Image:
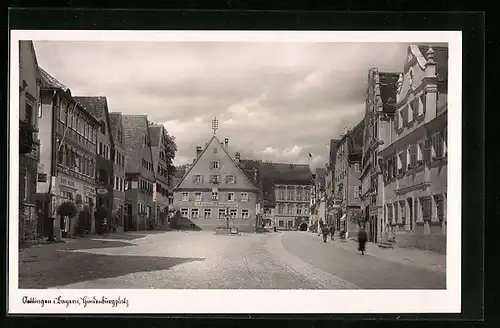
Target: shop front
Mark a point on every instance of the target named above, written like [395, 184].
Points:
[80, 193]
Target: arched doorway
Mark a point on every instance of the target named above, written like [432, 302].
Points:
[303, 227]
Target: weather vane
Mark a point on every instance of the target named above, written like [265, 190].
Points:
[215, 124]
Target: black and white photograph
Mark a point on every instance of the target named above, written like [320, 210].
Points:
[195, 168]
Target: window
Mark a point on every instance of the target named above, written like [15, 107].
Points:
[401, 162]
[290, 208]
[222, 213]
[215, 195]
[299, 210]
[233, 213]
[207, 214]
[215, 165]
[184, 212]
[423, 104]
[308, 194]
[395, 212]
[290, 195]
[117, 183]
[244, 197]
[413, 155]
[281, 224]
[281, 194]
[389, 213]
[426, 207]
[194, 213]
[402, 211]
[215, 179]
[230, 196]
[185, 196]
[438, 145]
[230, 179]
[245, 214]
[356, 168]
[197, 196]
[357, 191]
[197, 178]
[439, 199]
[120, 136]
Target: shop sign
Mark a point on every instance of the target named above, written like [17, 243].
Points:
[102, 191]
[67, 182]
[205, 204]
[231, 204]
[88, 191]
[53, 204]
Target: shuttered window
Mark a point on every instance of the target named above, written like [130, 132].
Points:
[426, 208]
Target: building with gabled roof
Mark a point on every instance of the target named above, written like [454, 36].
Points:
[68, 142]
[413, 156]
[118, 155]
[106, 180]
[164, 196]
[214, 191]
[140, 179]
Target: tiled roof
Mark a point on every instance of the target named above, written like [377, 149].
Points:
[50, 82]
[134, 129]
[96, 105]
[355, 142]
[441, 59]
[116, 123]
[155, 132]
[388, 90]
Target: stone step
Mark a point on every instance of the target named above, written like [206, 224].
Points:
[385, 245]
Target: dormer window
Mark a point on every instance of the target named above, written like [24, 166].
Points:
[103, 127]
[120, 136]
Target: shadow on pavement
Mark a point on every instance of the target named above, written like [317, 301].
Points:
[50, 265]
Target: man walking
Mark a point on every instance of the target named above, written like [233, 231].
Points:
[362, 237]
[325, 230]
[332, 231]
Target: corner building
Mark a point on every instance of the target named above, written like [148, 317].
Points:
[415, 159]
[215, 187]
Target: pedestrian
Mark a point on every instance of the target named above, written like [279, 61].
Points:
[362, 237]
[332, 231]
[325, 231]
[105, 226]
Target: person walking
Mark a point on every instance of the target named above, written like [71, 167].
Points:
[332, 231]
[362, 238]
[325, 231]
[105, 226]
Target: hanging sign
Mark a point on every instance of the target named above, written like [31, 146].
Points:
[102, 191]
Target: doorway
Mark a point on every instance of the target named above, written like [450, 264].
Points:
[303, 227]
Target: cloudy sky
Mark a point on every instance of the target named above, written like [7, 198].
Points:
[274, 101]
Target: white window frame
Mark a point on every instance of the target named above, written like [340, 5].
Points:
[245, 214]
[233, 211]
[197, 179]
[230, 196]
[356, 168]
[231, 179]
[215, 195]
[222, 213]
[185, 196]
[215, 165]
[244, 197]
[209, 211]
[185, 212]
[197, 211]
[198, 196]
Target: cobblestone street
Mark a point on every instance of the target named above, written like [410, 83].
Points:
[283, 260]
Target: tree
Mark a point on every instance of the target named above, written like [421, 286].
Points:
[67, 209]
[170, 147]
[356, 216]
[27, 141]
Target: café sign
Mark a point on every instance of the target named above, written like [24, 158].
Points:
[67, 182]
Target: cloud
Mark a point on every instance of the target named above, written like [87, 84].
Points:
[274, 101]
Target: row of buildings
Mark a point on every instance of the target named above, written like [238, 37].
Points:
[389, 173]
[219, 187]
[74, 149]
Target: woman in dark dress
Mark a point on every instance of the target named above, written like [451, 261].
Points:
[362, 237]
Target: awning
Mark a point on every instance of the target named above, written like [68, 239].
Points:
[343, 217]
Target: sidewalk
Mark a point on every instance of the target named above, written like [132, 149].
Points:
[408, 256]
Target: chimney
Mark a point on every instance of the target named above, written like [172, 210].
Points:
[237, 158]
[226, 143]
[198, 151]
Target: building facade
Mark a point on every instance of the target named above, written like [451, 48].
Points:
[215, 192]
[317, 207]
[68, 139]
[163, 184]
[380, 107]
[332, 204]
[119, 156]
[347, 180]
[29, 155]
[98, 107]
[415, 156]
[139, 175]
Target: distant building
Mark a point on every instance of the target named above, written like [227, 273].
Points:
[140, 177]
[119, 156]
[318, 208]
[98, 107]
[332, 204]
[380, 102]
[68, 143]
[29, 146]
[414, 154]
[214, 188]
[347, 179]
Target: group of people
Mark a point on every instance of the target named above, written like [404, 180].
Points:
[330, 230]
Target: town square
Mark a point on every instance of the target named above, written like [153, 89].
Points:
[205, 165]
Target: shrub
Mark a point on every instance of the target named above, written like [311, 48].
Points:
[67, 209]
